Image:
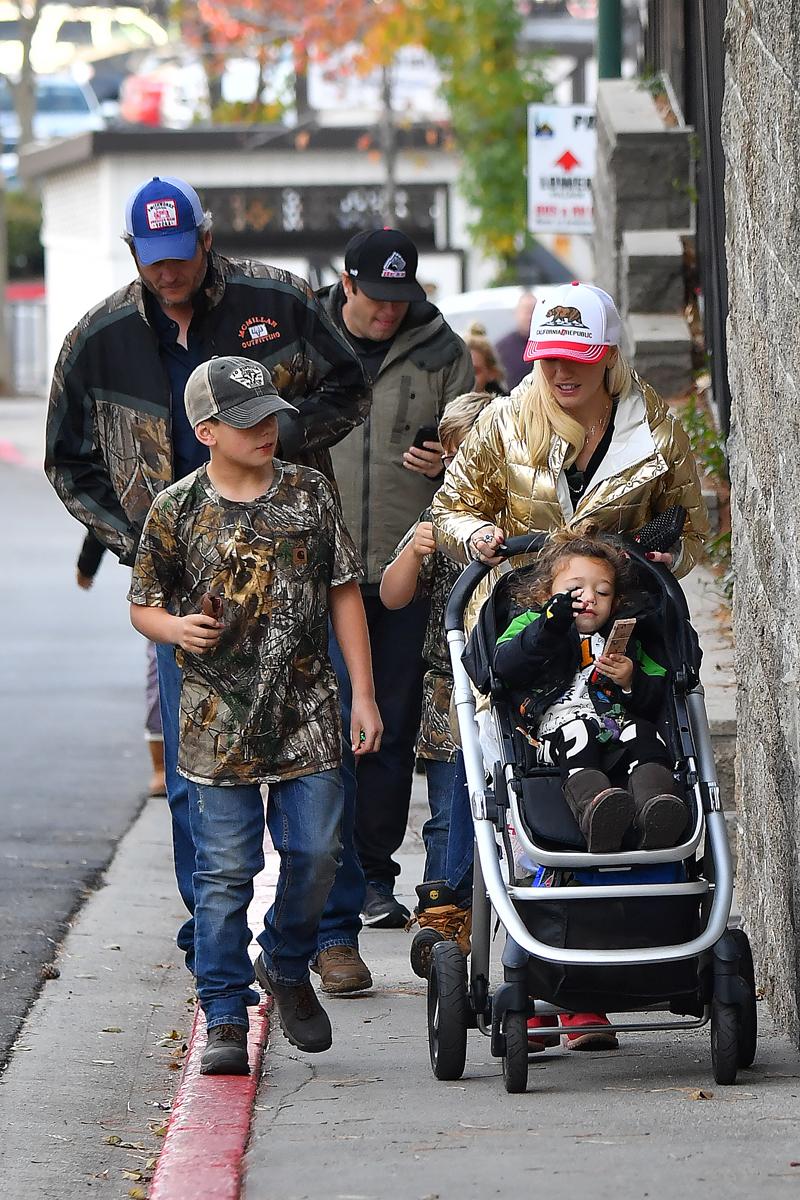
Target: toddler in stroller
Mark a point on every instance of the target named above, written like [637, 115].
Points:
[621, 921]
[586, 709]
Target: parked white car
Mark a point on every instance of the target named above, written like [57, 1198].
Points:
[63, 107]
[492, 307]
[65, 33]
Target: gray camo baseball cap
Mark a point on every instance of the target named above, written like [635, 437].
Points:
[237, 391]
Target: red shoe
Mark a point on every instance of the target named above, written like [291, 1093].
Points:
[604, 1039]
[537, 1044]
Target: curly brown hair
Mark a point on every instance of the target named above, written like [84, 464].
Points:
[534, 584]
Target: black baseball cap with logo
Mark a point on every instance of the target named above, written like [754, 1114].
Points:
[383, 262]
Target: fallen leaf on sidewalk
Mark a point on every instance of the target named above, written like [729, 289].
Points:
[112, 1140]
[701, 1094]
[136, 1175]
[111, 1029]
[352, 1082]
[137, 1193]
[112, 946]
[50, 971]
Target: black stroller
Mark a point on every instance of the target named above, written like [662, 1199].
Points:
[618, 945]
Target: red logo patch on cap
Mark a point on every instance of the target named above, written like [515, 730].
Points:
[161, 214]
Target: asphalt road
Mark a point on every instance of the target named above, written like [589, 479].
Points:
[74, 764]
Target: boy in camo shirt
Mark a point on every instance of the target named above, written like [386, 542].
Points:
[417, 568]
[239, 566]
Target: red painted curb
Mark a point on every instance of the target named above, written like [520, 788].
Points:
[209, 1125]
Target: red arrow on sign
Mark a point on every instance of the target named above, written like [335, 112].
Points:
[567, 161]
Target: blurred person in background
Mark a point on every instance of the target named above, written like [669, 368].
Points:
[489, 374]
[511, 348]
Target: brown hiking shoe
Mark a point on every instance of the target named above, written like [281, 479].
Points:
[342, 970]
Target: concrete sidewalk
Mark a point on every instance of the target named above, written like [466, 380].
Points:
[367, 1120]
[87, 1092]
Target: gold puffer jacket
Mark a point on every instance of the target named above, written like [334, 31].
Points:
[649, 466]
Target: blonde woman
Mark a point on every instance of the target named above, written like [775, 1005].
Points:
[582, 437]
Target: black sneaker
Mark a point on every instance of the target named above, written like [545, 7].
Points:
[304, 1020]
[381, 910]
[226, 1051]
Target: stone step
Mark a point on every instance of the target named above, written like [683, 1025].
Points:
[652, 273]
[660, 347]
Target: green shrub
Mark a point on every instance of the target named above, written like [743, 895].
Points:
[23, 229]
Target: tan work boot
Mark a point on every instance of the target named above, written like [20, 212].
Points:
[342, 970]
[440, 919]
[157, 785]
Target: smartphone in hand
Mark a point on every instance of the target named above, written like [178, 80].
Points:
[617, 640]
[425, 433]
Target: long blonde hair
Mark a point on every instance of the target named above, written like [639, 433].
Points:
[543, 417]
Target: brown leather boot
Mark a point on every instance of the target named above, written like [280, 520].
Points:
[603, 812]
[661, 816]
[342, 970]
[157, 785]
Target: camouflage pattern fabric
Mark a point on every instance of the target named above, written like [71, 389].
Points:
[263, 705]
[436, 578]
[108, 449]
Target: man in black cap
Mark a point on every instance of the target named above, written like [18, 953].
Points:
[387, 472]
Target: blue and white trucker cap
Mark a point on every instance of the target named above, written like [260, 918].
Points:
[163, 216]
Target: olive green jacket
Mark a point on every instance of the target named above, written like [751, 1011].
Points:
[426, 365]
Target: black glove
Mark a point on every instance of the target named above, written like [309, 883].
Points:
[663, 531]
[558, 612]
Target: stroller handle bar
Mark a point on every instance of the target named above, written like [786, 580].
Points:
[531, 543]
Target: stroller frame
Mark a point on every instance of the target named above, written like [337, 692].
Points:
[455, 1004]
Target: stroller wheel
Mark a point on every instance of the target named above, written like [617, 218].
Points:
[748, 1017]
[725, 1034]
[515, 1059]
[448, 1011]
[421, 949]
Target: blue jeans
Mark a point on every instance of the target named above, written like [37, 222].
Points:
[440, 777]
[304, 820]
[179, 791]
[341, 923]
[460, 835]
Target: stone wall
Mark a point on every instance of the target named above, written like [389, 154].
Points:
[761, 119]
[642, 211]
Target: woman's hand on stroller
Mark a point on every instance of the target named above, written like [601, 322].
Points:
[485, 543]
[618, 668]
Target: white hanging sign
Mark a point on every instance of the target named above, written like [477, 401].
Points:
[561, 150]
